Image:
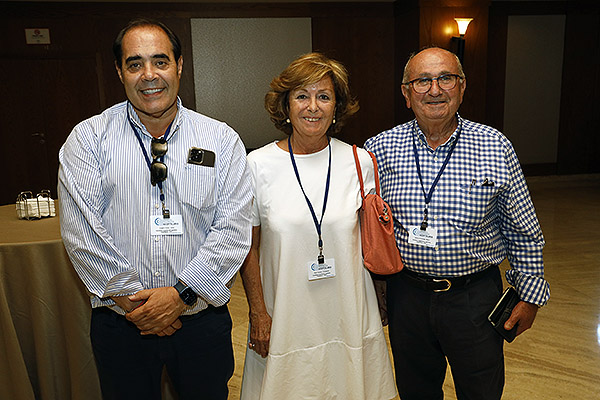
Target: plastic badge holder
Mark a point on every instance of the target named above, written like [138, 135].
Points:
[29, 207]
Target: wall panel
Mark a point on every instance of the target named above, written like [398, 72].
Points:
[235, 59]
[365, 46]
[579, 135]
[534, 62]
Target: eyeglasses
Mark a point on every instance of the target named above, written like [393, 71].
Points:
[445, 82]
[158, 169]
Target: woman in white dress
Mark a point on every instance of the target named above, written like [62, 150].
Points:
[315, 327]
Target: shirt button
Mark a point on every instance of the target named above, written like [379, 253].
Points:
[437, 248]
[156, 205]
[435, 158]
[157, 273]
[156, 238]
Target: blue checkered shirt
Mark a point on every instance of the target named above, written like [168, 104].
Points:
[478, 224]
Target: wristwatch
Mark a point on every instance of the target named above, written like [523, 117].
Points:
[186, 293]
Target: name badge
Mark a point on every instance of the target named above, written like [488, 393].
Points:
[427, 238]
[166, 226]
[318, 271]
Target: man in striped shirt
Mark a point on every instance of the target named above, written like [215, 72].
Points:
[154, 206]
[461, 206]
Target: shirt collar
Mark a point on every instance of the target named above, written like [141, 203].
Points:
[423, 140]
[136, 119]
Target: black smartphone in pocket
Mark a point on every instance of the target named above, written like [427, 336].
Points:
[502, 311]
[201, 157]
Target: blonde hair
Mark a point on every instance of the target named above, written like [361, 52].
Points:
[307, 70]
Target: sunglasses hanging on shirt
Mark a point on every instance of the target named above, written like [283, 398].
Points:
[158, 169]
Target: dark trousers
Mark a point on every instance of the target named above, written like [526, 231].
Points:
[428, 328]
[198, 357]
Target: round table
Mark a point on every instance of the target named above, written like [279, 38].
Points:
[44, 315]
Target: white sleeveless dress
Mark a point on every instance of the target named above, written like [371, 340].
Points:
[327, 341]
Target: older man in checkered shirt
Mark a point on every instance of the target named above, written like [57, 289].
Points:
[461, 206]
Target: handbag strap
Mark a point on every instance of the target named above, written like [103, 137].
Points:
[360, 176]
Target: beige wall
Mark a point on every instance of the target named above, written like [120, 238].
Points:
[235, 59]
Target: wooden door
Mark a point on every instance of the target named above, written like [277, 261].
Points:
[45, 99]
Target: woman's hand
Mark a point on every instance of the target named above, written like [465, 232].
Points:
[260, 333]
[260, 320]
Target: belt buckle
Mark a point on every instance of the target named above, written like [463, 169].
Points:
[443, 280]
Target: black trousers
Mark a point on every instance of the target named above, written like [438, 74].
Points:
[428, 328]
[198, 357]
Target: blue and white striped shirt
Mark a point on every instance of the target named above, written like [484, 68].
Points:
[477, 224]
[106, 201]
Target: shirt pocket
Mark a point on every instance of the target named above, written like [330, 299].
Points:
[199, 186]
[474, 207]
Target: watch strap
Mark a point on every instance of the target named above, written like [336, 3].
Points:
[180, 286]
[186, 293]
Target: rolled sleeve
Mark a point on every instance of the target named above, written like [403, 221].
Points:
[521, 229]
[103, 269]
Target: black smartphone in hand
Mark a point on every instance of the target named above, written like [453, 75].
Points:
[502, 311]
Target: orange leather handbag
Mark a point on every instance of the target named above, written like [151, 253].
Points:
[380, 251]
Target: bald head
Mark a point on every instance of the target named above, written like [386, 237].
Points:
[448, 56]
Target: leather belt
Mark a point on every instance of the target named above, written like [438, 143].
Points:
[443, 284]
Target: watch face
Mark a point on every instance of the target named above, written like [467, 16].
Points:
[188, 296]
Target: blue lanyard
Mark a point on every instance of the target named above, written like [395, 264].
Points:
[439, 175]
[137, 135]
[147, 158]
[318, 223]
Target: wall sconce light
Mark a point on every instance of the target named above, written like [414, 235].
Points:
[462, 23]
